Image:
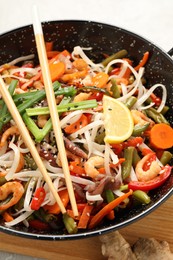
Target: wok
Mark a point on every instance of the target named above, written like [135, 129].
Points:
[107, 39]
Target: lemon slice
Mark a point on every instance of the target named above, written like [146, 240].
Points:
[118, 121]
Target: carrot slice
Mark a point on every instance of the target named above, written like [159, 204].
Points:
[100, 79]
[49, 46]
[81, 122]
[85, 217]
[56, 70]
[55, 209]
[161, 136]
[7, 217]
[143, 61]
[106, 209]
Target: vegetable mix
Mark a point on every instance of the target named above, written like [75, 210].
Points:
[107, 176]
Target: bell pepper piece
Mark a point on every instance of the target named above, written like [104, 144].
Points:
[152, 184]
[38, 198]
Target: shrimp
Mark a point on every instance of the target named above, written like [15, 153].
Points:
[80, 64]
[151, 173]
[11, 187]
[10, 131]
[82, 97]
[139, 118]
[91, 164]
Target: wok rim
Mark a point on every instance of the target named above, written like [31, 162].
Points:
[115, 226]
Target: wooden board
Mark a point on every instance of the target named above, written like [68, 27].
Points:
[158, 224]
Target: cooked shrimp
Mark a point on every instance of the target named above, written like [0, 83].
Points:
[42, 120]
[139, 118]
[10, 131]
[82, 97]
[151, 173]
[80, 64]
[91, 164]
[74, 76]
[11, 187]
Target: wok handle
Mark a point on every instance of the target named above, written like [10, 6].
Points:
[170, 52]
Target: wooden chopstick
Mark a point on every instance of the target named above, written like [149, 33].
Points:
[52, 105]
[28, 141]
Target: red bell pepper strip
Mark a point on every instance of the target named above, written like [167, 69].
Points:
[38, 225]
[38, 198]
[152, 184]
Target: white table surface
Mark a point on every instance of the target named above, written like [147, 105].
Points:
[152, 19]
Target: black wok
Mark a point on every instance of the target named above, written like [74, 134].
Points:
[107, 39]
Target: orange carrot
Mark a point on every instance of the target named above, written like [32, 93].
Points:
[85, 217]
[161, 136]
[143, 61]
[52, 54]
[113, 165]
[71, 214]
[81, 122]
[49, 46]
[100, 79]
[111, 215]
[31, 81]
[106, 209]
[55, 209]
[75, 168]
[56, 70]
[128, 71]
[7, 217]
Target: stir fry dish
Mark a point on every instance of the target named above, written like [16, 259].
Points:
[117, 139]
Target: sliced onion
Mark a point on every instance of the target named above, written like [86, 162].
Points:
[91, 197]
[29, 193]
[19, 219]
[15, 163]
[87, 127]
[133, 176]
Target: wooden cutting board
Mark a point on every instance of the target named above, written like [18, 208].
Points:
[158, 224]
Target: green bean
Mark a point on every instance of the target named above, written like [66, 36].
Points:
[166, 157]
[30, 163]
[118, 55]
[157, 117]
[95, 89]
[138, 130]
[70, 224]
[141, 196]
[130, 102]
[136, 157]
[164, 110]
[109, 195]
[127, 164]
[115, 89]
[123, 187]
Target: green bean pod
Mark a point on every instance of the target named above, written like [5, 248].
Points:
[157, 117]
[109, 195]
[166, 157]
[138, 130]
[118, 55]
[115, 89]
[127, 164]
[141, 196]
[130, 102]
[136, 158]
[70, 224]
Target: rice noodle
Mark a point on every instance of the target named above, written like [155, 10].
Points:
[149, 92]
[78, 51]
[19, 219]
[22, 58]
[29, 192]
[15, 163]
[91, 197]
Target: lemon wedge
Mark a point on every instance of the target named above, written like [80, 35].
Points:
[118, 121]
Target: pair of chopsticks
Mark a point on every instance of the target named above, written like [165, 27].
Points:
[54, 117]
